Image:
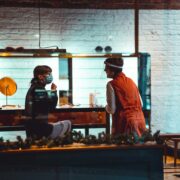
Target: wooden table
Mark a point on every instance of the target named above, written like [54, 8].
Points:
[80, 116]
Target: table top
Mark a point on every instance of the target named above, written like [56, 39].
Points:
[170, 135]
[65, 108]
[176, 139]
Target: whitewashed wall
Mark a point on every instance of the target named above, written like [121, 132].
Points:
[80, 31]
[75, 30]
[160, 36]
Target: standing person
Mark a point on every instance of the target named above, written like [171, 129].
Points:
[39, 103]
[123, 100]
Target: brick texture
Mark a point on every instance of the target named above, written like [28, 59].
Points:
[159, 35]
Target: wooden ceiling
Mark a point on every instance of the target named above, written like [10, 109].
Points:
[93, 4]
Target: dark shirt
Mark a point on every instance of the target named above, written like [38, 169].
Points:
[39, 102]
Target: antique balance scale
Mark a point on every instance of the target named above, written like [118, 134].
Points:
[8, 87]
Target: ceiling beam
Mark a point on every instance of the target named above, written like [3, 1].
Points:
[95, 4]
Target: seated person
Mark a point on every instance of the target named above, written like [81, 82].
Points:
[39, 102]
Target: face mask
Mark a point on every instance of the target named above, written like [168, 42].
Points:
[49, 79]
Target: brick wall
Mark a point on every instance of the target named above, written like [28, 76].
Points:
[159, 35]
[75, 30]
[80, 31]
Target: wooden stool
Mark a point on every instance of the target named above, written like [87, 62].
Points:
[175, 139]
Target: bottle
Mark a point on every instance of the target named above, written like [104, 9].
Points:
[92, 100]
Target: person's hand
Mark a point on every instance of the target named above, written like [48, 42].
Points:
[53, 87]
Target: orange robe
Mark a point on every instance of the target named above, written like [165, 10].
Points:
[128, 117]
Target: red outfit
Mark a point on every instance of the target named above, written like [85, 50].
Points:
[128, 117]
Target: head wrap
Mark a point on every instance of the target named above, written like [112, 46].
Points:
[112, 65]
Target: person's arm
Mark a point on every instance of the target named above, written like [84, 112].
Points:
[53, 97]
[110, 98]
[28, 103]
[52, 101]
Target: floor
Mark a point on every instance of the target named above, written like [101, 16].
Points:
[171, 172]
